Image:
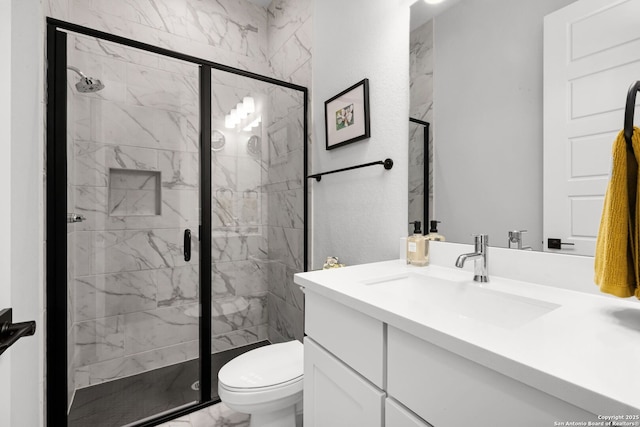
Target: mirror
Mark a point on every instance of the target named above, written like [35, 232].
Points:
[477, 77]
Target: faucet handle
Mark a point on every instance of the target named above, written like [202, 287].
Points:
[481, 241]
[515, 236]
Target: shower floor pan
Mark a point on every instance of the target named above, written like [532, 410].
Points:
[127, 400]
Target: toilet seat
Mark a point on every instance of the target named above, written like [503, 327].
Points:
[261, 396]
[264, 368]
[286, 384]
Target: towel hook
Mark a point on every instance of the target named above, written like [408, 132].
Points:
[629, 112]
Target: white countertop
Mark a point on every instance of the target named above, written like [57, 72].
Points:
[585, 352]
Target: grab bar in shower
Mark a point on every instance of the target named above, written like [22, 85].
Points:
[387, 163]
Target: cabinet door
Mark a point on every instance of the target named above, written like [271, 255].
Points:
[397, 416]
[450, 391]
[335, 395]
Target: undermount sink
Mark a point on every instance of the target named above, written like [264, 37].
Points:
[463, 299]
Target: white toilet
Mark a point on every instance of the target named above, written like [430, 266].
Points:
[265, 382]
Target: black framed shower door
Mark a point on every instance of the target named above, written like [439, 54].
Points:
[57, 209]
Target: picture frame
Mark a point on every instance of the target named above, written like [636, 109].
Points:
[346, 116]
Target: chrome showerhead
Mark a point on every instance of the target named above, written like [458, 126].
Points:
[89, 84]
[86, 84]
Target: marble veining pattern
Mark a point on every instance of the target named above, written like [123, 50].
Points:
[218, 415]
[236, 313]
[131, 287]
[161, 327]
[238, 338]
[178, 286]
[240, 278]
[99, 340]
[112, 294]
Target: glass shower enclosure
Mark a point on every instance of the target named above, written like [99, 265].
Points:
[176, 197]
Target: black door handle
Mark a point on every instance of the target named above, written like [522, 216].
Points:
[11, 332]
[557, 243]
[187, 245]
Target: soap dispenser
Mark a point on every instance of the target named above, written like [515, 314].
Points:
[433, 232]
[417, 246]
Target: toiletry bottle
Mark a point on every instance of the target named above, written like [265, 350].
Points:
[417, 246]
[433, 232]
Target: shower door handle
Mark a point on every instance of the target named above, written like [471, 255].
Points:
[187, 245]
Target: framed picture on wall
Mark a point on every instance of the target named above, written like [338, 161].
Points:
[346, 116]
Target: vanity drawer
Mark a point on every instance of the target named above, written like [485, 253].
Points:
[450, 391]
[397, 416]
[351, 336]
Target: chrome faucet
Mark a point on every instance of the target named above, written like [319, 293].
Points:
[481, 267]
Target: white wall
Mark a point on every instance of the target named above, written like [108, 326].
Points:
[27, 216]
[5, 193]
[359, 215]
[21, 159]
[488, 118]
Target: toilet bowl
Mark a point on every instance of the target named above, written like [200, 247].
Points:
[266, 383]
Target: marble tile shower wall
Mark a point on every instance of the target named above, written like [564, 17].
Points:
[135, 178]
[156, 323]
[239, 241]
[289, 47]
[421, 107]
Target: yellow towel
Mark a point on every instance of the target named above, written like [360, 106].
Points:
[617, 266]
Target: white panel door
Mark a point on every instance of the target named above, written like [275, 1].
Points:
[335, 395]
[591, 57]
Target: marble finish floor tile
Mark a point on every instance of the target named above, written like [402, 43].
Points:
[218, 415]
[120, 402]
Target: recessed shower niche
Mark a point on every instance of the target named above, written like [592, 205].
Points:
[134, 192]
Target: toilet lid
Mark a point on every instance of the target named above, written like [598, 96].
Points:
[264, 366]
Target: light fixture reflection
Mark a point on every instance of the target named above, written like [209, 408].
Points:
[228, 122]
[249, 105]
[242, 111]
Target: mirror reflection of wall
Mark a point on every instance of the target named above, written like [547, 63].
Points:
[487, 118]
[421, 111]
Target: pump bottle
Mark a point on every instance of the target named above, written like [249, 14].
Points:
[433, 232]
[417, 246]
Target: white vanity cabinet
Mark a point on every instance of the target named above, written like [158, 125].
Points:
[436, 349]
[360, 371]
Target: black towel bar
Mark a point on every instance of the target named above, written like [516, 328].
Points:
[387, 163]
